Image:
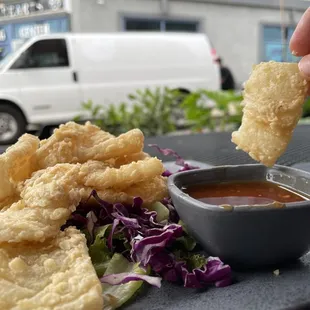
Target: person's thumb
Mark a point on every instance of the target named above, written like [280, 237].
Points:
[304, 66]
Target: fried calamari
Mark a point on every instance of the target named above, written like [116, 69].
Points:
[46, 202]
[42, 267]
[273, 100]
[123, 177]
[55, 275]
[17, 165]
[74, 143]
[150, 191]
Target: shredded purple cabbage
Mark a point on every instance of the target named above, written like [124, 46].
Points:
[179, 160]
[154, 242]
[151, 242]
[123, 278]
[135, 232]
[214, 271]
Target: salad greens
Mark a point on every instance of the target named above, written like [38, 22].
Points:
[99, 252]
[132, 244]
[120, 270]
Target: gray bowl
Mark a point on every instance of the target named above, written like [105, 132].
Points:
[246, 236]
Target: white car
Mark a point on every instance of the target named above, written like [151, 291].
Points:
[46, 80]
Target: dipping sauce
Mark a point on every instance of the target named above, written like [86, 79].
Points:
[243, 193]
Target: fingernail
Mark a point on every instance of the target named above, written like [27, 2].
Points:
[294, 53]
[304, 67]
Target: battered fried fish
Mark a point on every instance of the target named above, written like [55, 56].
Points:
[273, 100]
[74, 143]
[47, 200]
[17, 164]
[56, 275]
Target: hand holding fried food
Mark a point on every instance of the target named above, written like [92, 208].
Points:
[273, 100]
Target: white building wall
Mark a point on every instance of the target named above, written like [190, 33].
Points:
[235, 31]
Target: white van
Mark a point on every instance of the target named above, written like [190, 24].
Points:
[46, 80]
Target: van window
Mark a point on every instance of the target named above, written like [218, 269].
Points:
[44, 54]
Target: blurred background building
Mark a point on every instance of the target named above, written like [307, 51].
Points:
[243, 32]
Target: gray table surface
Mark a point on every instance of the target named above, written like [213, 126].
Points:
[260, 290]
[217, 149]
[251, 290]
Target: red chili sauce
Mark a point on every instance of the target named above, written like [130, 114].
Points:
[243, 193]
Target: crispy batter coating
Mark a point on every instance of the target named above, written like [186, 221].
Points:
[74, 143]
[42, 183]
[150, 191]
[127, 159]
[17, 164]
[123, 177]
[7, 202]
[56, 275]
[47, 200]
[273, 100]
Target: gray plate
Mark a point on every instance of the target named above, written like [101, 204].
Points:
[171, 166]
[260, 290]
[251, 290]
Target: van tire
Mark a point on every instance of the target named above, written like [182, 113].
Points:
[13, 119]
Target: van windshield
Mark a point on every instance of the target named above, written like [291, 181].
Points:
[6, 59]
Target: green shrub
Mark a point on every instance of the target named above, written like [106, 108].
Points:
[151, 111]
[306, 108]
[158, 112]
[201, 114]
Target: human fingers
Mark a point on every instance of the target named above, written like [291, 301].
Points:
[300, 43]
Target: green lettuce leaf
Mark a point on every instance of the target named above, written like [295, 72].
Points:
[162, 211]
[185, 242]
[116, 295]
[99, 252]
[196, 261]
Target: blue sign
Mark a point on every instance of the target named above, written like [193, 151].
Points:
[20, 32]
[28, 30]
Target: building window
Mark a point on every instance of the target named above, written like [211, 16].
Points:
[273, 47]
[132, 24]
[181, 26]
[143, 24]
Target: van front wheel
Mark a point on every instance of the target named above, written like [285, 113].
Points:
[12, 124]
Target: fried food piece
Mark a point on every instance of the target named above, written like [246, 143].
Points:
[74, 143]
[150, 191]
[7, 202]
[125, 176]
[273, 100]
[56, 275]
[17, 164]
[127, 159]
[47, 200]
